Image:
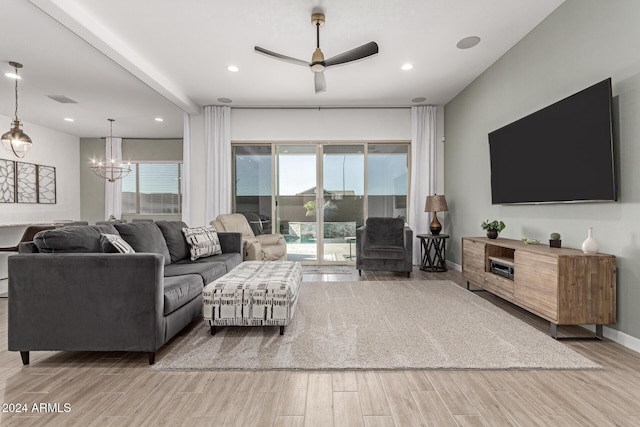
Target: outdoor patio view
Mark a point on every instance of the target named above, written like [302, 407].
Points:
[349, 181]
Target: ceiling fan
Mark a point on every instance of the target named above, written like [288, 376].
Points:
[318, 63]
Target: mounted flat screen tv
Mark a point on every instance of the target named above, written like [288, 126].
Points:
[562, 153]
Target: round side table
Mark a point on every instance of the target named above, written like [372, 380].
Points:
[433, 248]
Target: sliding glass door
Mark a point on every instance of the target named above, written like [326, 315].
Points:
[343, 200]
[295, 198]
[317, 194]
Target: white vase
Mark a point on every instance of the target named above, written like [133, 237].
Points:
[590, 245]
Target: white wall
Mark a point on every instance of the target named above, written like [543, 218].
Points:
[341, 124]
[581, 43]
[50, 148]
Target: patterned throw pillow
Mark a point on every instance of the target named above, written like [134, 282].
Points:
[203, 241]
[112, 243]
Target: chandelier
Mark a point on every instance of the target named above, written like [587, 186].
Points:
[109, 170]
[16, 140]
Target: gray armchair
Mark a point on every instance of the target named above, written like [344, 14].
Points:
[384, 244]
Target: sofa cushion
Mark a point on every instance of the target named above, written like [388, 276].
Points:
[176, 243]
[179, 290]
[383, 252]
[207, 271]
[385, 232]
[80, 238]
[203, 241]
[230, 260]
[113, 243]
[145, 237]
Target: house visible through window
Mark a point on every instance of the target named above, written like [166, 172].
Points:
[153, 188]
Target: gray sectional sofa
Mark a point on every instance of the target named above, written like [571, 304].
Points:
[66, 294]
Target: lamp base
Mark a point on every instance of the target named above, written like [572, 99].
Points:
[435, 227]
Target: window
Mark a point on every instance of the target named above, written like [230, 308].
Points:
[152, 188]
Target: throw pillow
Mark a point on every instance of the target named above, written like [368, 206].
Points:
[79, 239]
[112, 243]
[203, 241]
[172, 232]
[145, 237]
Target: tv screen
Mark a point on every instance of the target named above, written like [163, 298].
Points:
[562, 153]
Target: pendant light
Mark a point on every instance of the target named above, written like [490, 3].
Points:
[109, 170]
[16, 140]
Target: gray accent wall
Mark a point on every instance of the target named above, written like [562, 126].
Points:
[92, 186]
[580, 44]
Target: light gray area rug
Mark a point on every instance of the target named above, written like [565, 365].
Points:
[379, 325]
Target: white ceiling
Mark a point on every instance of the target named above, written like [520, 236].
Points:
[134, 60]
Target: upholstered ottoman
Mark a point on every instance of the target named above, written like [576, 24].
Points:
[255, 293]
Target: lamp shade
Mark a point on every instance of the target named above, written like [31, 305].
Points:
[436, 203]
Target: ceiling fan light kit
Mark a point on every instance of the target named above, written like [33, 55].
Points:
[318, 63]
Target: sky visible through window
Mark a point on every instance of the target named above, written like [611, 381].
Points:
[297, 174]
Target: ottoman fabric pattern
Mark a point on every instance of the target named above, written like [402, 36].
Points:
[255, 293]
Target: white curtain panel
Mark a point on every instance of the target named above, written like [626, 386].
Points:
[186, 170]
[113, 190]
[217, 134]
[423, 171]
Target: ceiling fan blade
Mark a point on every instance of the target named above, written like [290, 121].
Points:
[281, 57]
[360, 52]
[320, 82]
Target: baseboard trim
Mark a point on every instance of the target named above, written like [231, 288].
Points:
[621, 338]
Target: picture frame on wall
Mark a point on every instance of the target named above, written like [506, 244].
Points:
[7, 181]
[26, 182]
[46, 184]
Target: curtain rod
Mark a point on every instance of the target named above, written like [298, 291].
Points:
[144, 138]
[316, 108]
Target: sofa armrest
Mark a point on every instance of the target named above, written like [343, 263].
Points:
[408, 242]
[86, 302]
[252, 250]
[271, 239]
[230, 242]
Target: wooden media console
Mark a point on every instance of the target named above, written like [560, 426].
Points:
[564, 286]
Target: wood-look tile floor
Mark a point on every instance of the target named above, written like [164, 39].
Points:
[119, 389]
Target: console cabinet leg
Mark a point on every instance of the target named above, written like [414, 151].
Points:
[554, 331]
[25, 357]
[599, 332]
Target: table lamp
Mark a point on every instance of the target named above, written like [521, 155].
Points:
[435, 203]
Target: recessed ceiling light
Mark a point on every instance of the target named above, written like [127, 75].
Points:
[468, 42]
[419, 99]
[68, 119]
[159, 119]
[406, 67]
[233, 68]
[12, 76]
[225, 100]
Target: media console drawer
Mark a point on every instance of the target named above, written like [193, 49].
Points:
[564, 286]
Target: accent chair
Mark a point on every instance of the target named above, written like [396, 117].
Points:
[384, 244]
[263, 247]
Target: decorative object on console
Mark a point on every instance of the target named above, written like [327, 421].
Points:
[555, 240]
[16, 140]
[493, 228]
[590, 245]
[530, 241]
[435, 204]
[109, 170]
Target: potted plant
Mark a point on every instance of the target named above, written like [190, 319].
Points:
[554, 240]
[493, 228]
